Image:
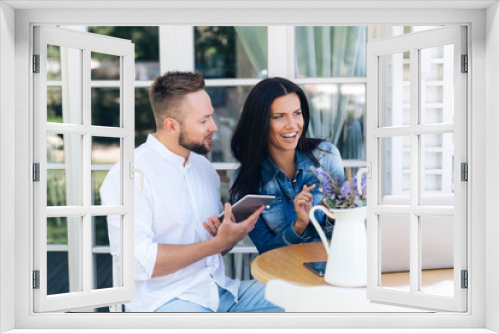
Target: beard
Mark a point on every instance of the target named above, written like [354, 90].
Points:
[199, 148]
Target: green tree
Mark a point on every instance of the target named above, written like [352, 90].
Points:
[105, 105]
[215, 52]
[144, 38]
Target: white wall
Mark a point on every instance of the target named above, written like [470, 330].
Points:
[7, 189]
[492, 163]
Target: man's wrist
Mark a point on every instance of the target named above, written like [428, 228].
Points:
[217, 245]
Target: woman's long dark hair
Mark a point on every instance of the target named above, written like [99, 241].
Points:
[249, 141]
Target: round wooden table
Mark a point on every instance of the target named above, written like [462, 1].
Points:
[286, 264]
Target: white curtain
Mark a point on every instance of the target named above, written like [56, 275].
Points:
[333, 52]
[323, 52]
[254, 41]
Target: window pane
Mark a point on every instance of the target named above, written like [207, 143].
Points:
[104, 66]
[437, 82]
[103, 265]
[395, 251]
[100, 231]
[437, 254]
[395, 166]
[394, 89]
[337, 114]
[145, 39]
[64, 172]
[105, 152]
[231, 52]
[53, 62]
[64, 90]
[437, 167]
[98, 177]
[55, 147]
[54, 104]
[64, 266]
[330, 51]
[227, 103]
[375, 32]
[144, 117]
[105, 106]
[107, 268]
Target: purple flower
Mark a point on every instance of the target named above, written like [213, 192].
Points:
[325, 181]
[340, 192]
[346, 189]
[355, 182]
[363, 182]
[321, 174]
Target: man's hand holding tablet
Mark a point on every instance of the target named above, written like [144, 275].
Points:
[247, 205]
[248, 210]
[230, 230]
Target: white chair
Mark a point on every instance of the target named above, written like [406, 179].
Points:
[295, 298]
[437, 236]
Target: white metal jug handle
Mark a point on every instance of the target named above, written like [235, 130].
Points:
[318, 227]
[138, 171]
[360, 172]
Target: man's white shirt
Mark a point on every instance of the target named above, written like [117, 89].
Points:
[175, 201]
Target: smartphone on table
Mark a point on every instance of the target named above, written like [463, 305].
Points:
[316, 267]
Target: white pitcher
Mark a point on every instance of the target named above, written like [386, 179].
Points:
[346, 264]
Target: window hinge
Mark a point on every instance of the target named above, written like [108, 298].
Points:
[464, 171]
[36, 172]
[465, 279]
[465, 64]
[36, 279]
[36, 63]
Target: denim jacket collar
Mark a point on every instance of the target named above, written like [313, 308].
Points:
[269, 169]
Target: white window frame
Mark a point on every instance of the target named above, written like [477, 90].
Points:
[82, 286]
[414, 43]
[484, 102]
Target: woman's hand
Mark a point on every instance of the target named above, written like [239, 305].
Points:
[303, 204]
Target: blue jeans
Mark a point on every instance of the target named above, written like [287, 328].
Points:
[250, 299]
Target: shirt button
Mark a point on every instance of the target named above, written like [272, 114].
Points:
[294, 180]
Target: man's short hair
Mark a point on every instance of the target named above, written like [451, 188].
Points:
[167, 93]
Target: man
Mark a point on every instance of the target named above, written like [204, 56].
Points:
[178, 263]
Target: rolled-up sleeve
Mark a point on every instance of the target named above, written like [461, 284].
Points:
[266, 239]
[145, 249]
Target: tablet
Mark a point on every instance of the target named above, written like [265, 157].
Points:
[247, 205]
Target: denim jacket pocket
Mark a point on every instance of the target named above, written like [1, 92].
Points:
[274, 215]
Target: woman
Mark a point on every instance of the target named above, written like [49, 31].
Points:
[278, 159]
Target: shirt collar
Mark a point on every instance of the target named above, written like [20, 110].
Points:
[166, 153]
[303, 161]
[270, 170]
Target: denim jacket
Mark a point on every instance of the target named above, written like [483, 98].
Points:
[274, 228]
